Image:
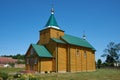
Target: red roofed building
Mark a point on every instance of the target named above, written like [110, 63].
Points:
[6, 60]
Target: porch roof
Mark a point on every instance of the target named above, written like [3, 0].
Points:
[41, 51]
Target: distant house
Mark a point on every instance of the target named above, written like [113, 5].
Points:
[59, 52]
[4, 61]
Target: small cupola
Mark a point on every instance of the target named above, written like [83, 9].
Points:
[52, 21]
[84, 35]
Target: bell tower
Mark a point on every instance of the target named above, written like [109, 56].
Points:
[51, 30]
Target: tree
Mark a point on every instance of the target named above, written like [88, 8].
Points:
[99, 63]
[18, 56]
[111, 53]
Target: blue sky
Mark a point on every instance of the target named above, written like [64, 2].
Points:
[21, 20]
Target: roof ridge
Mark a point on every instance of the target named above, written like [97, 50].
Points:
[74, 36]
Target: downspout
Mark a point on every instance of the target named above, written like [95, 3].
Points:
[38, 65]
[57, 58]
[68, 58]
[81, 61]
[94, 61]
[76, 60]
[86, 61]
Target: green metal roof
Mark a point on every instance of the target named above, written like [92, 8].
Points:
[52, 21]
[77, 41]
[58, 40]
[41, 51]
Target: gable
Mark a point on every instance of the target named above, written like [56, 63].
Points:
[77, 41]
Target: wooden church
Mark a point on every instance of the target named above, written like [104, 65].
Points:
[56, 51]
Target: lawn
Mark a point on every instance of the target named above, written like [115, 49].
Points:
[10, 70]
[101, 74]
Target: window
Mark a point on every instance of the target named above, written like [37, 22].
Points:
[44, 34]
[32, 51]
[36, 60]
[27, 61]
[77, 52]
[85, 54]
[57, 34]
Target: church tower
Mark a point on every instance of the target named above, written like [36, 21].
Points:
[51, 30]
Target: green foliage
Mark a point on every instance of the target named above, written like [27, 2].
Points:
[110, 60]
[18, 75]
[99, 63]
[4, 75]
[112, 53]
[18, 56]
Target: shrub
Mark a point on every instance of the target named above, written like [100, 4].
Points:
[18, 75]
[4, 75]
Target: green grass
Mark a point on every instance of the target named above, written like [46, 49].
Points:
[101, 74]
[10, 70]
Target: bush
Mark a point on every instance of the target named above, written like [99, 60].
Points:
[18, 75]
[4, 75]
